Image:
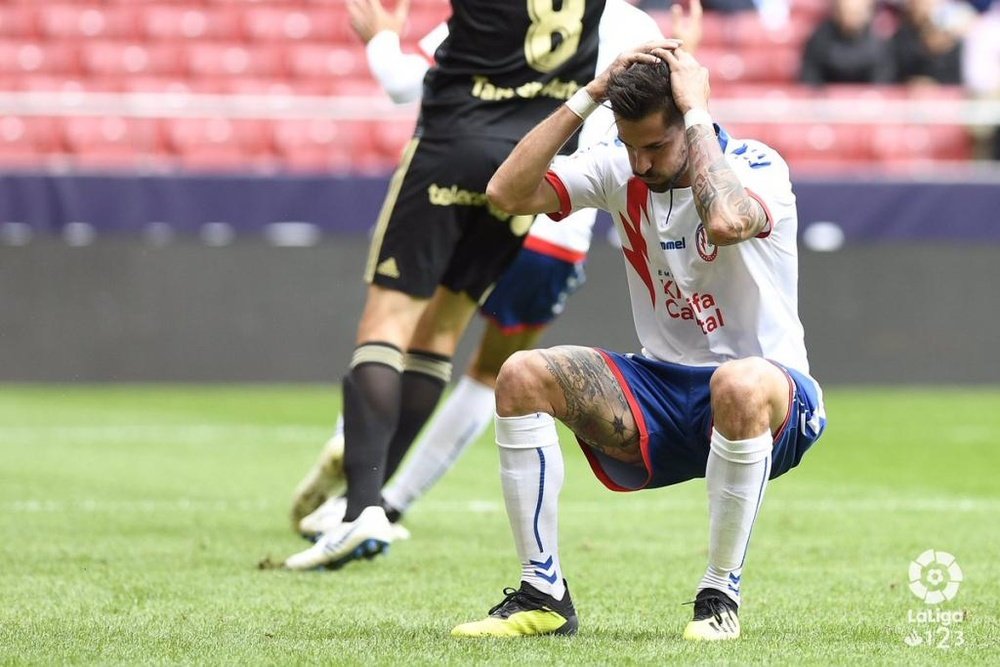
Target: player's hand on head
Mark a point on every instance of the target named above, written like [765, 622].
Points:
[687, 26]
[370, 17]
[643, 53]
[688, 79]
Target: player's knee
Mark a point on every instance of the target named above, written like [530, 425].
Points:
[520, 386]
[740, 387]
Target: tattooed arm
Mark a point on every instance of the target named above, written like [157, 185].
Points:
[729, 212]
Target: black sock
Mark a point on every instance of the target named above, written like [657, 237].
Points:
[425, 376]
[371, 412]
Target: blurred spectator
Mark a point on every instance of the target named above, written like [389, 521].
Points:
[981, 69]
[844, 48]
[927, 45]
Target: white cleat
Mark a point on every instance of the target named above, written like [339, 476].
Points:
[365, 537]
[715, 618]
[324, 480]
[330, 515]
[324, 518]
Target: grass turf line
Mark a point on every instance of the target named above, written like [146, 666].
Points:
[132, 518]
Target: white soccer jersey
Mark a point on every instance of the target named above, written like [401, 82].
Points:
[695, 303]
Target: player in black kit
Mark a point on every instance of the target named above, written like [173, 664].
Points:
[438, 245]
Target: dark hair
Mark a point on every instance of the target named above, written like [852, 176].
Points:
[641, 89]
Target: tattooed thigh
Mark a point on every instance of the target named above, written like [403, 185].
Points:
[595, 406]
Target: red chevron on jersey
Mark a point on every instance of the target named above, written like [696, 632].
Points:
[638, 254]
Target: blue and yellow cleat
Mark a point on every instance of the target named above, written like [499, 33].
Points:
[715, 617]
[524, 612]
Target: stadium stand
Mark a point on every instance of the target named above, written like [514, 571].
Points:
[271, 84]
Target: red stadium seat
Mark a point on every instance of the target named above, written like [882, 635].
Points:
[741, 30]
[821, 141]
[280, 48]
[922, 142]
[863, 92]
[102, 57]
[53, 83]
[29, 134]
[21, 56]
[311, 61]
[771, 62]
[828, 166]
[191, 22]
[273, 86]
[72, 21]
[324, 145]
[286, 24]
[28, 141]
[358, 86]
[724, 64]
[111, 141]
[219, 143]
[152, 83]
[18, 21]
[390, 137]
[760, 64]
[763, 91]
[231, 59]
[749, 31]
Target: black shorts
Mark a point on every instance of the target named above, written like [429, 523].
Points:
[436, 226]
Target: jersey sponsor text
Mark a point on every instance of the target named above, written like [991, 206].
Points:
[556, 89]
[455, 196]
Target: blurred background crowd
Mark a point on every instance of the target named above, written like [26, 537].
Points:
[138, 138]
[264, 85]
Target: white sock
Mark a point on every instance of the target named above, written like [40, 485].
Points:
[462, 419]
[531, 474]
[736, 476]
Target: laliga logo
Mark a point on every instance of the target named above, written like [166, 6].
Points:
[935, 576]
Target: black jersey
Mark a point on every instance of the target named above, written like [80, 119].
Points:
[507, 64]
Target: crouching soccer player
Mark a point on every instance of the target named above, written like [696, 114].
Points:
[721, 389]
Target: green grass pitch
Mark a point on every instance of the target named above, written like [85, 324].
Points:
[132, 519]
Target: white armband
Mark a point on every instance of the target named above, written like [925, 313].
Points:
[400, 74]
[696, 116]
[384, 45]
[582, 104]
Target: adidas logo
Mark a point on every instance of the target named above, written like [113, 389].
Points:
[388, 268]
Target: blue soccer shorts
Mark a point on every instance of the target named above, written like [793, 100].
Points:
[672, 409]
[532, 291]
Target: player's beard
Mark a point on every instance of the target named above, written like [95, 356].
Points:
[670, 182]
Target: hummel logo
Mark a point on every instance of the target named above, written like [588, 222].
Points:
[734, 586]
[388, 268]
[680, 244]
